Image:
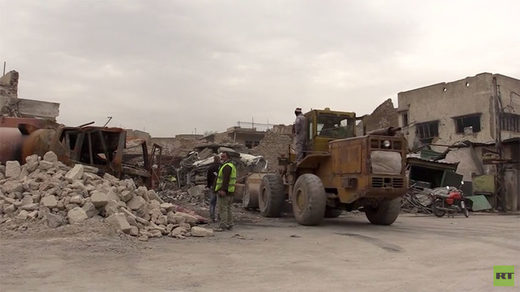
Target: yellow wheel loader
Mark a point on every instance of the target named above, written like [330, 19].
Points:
[339, 172]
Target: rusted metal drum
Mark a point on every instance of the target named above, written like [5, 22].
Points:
[10, 144]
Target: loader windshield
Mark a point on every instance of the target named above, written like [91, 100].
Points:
[335, 126]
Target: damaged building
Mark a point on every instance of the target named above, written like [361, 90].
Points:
[475, 122]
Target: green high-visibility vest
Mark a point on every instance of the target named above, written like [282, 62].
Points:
[232, 178]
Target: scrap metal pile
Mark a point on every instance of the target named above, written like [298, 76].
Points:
[193, 168]
[46, 191]
[417, 200]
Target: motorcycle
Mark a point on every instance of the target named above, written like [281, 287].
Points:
[448, 200]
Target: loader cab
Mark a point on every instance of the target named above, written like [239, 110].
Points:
[325, 125]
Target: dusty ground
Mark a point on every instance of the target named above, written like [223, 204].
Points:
[345, 254]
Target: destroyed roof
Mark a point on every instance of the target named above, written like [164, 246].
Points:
[416, 159]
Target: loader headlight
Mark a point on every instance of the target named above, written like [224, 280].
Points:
[386, 144]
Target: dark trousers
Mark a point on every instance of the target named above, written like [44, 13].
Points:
[212, 204]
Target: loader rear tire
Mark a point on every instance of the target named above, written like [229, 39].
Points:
[309, 200]
[272, 195]
[385, 213]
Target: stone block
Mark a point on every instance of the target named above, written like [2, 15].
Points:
[76, 199]
[50, 157]
[49, 201]
[54, 220]
[190, 219]
[126, 195]
[45, 165]
[90, 209]
[99, 199]
[75, 173]
[30, 207]
[76, 215]
[22, 215]
[136, 203]
[134, 231]
[174, 218]
[118, 221]
[111, 208]
[12, 169]
[12, 187]
[201, 231]
[167, 206]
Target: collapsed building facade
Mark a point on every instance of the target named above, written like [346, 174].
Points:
[474, 121]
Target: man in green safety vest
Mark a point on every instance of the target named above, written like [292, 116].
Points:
[225, 188]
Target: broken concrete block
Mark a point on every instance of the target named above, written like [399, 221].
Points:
[45, 165]
[9, 209]
[12, 187]
[178, 231]
[54, 220]
[75, 173]
[76, 215]
[27, 199]
[190, 219]
[118, 221]
[162, 220]
[90, 209]
[201, 231]
[30, 207]
[50, 157]
[134, 231]
[12, 169]
[111, 208]
[152, 195]
[89, 169]
[111, 195]
[76, 199]
[32, 215]
[131, 220]
[136, 203]
[49, 201]
[174, 218]
[31, 158]
[110, 178]
[70, 206]
[31, 164]
[99, 199]
[126, 196]
[22, 215]
[167, 206]
[130, 184]
[154, 233]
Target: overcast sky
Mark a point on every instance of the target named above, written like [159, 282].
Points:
[170, 67]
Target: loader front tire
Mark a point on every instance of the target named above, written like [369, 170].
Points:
[309, 200]
[385, 213]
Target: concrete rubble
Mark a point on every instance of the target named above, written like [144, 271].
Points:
[49, 192]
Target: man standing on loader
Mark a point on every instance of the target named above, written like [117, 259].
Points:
[299, 134]
[225, 188]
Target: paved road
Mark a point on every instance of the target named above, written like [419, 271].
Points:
[344, 254]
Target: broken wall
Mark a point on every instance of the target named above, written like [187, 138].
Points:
[385, 115]
[443, 102]
[9, 84]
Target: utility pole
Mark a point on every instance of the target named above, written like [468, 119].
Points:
[500, 192]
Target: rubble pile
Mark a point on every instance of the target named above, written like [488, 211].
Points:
[47, 191]
[272, 146]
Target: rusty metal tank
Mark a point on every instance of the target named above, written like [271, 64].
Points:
[19, 137]
[10, 144]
